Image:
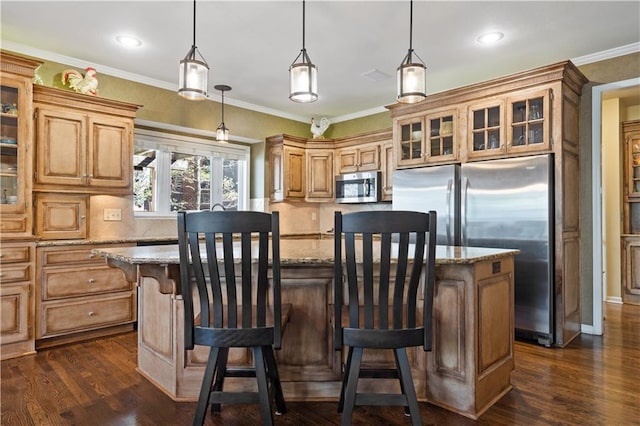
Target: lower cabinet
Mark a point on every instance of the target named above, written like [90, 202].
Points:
[631, 269]
[16, 299]
[79, 296]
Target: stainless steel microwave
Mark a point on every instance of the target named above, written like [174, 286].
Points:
[361, 187]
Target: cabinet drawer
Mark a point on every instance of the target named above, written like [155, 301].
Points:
[10, 274]
[14, 254]
[68, 256]
[65, 317]
[13, 225]
[68, 282]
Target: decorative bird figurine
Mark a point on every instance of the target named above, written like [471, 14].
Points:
[87, 84]
[318, 129]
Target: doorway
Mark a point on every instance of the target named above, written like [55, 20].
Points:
[606, 263]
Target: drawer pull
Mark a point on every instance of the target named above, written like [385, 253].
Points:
[91, 313]
[91, 280]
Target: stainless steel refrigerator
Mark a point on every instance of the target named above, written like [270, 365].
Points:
[505, 203]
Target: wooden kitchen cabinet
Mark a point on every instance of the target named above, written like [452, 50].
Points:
[304, 169]
[527, 113]
[61, 216]
[16, 147]
[78, 295]
[17, 335]
[388, 166]
[83, 143]
[428, 139]
[486, 130]
[359, 159]
[287, 168]
[630, 282]
[320, 176]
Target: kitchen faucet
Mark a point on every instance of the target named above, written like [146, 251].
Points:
[217, 205]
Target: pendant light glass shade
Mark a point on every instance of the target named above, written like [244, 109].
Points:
[412, 76]
[222, 132]
[303, 75]
[194, 71]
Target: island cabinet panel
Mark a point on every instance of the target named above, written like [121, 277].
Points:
[79, 295]
[469, 367]
[17, 335]
[467, 370]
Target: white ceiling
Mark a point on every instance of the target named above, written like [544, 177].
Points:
[249, 45]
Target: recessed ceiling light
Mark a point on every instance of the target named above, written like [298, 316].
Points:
[490, 38]
[128, 41]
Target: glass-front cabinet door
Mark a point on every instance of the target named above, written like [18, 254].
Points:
[411, 144]
[14, 142]
[529, 118]
[486, 130]
[441, 142]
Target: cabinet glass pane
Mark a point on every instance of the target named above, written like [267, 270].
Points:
[519, 135]
[478, 141]
[478, 119]
[536, 110]
[493, 117]
[634, 218]
[435, 127]
[435, 147]
[535, 133]
[447, 145]
[9, 145]
[519, 112]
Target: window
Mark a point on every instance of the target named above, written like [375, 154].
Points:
[174, 172]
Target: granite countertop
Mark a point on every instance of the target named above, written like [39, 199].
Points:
[298, 252]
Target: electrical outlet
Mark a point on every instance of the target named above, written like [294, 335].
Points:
[313, 216]
[113, 215]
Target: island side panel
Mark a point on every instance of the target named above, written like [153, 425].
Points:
[470, 365]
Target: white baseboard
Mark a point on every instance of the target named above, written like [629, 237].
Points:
[587, 329]
[617, 300]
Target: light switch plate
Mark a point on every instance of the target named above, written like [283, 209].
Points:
[114, 215]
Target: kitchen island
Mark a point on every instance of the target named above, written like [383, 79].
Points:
[468, 369]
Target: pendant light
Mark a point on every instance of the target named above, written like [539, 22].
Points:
[303, 75]
[412, 76]
[194, 71]
[222, 132]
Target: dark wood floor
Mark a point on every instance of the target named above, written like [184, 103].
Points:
[594, 381]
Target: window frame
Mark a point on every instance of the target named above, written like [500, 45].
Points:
[184, 141]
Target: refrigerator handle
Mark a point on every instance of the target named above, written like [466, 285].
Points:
[448, 223]
[463, 211]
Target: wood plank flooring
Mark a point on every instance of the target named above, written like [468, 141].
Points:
[594, 381]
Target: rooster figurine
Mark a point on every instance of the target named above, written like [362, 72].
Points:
[87, 84]
[318, 129]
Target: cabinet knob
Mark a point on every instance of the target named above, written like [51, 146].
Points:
[91, 281]
[91, 313]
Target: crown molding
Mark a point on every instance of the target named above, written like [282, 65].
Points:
[607, 54]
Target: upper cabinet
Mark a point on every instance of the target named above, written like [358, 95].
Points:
[509, 116]
[359, 159]
[631, 214]
[287, 168]
[16, 150]
[427, 139]
[83, 143]
[303, 169]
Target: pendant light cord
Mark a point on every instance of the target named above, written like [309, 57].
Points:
[303, 29]
[411, 27]
[194, 23]
[223, 107]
